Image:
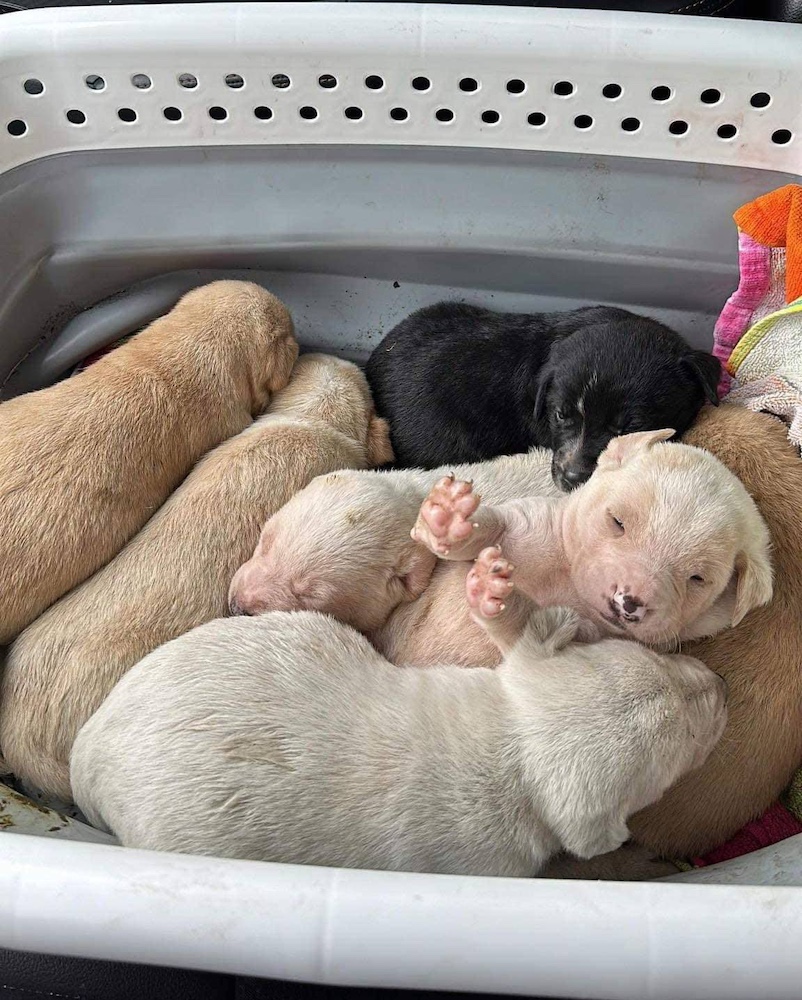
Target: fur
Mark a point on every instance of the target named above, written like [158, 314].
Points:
[175, 573]
[459, 383]
[86, 462]
[761, 660]
[343, 546]
[305, 745]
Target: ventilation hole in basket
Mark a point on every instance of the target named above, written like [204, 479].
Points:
[281, 81]
[262, 113]
[444, 115]
[612, 91]
[75, 117]
[678, 127]
[141, 81]
[308, 113]
[630, 124]
[583, 122]
[234, 81]
[468, 84]
[374, 82]
[710, 96]
[95, 82]
[399, 114]
[188, 81]
[218, 114]
[564, 88]
[726, 131]
[421, 83]
[173, 114]
[662, 94]
[33, 87]
[515, 86]
[760, 100]
[126, 115]
[490, 117]
[353, 114]
[536, 119]
[17, 127]
[781, 137]
[327, 81]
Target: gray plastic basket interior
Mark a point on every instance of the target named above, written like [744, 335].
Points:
[356, 223]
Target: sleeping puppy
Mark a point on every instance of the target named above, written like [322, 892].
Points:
[662, 543]
[459, 383]
[175, 573]
[85, 463]
[304, 745]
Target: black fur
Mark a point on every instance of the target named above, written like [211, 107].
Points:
[461, 384]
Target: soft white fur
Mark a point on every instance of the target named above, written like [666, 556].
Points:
[287, 737]
[343, 546]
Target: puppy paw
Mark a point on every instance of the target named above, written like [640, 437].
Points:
[444, 521]
[489, 583]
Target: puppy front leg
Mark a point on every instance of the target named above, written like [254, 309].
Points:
[452, 524]
[511, 620]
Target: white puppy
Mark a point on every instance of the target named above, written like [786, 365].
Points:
[663, 542]
[288, 737]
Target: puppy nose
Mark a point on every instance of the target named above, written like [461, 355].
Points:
[573, 477]
[236, 608]
[628, 607]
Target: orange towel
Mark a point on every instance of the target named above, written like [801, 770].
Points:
[775, 220]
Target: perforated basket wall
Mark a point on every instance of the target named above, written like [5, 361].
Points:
[674, 88]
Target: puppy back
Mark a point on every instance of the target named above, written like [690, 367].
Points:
[760, 658]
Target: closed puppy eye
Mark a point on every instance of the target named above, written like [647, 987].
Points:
[618, 524]
[697, 579]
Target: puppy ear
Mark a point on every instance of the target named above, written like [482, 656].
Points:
[621, 449]
[379, 448]
[596, 835]
[754, 585]
[541, 397]
[415, 568]
[706, 370]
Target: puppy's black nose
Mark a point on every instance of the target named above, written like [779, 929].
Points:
[236, 608]
[627, 606]
[573, 477]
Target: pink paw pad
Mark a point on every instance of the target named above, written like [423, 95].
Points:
[489, 583]
[445, 515]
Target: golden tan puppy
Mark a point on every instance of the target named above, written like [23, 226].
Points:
[761, 659]
[86, 462]
[175, 573]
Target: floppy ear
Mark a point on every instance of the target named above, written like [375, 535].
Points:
[415, 568]
[541, 398]
[379, 449]
[596, 835]
[621, 449]
[755, 583]
[706, 370]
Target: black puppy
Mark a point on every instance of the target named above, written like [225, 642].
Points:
[461, 384]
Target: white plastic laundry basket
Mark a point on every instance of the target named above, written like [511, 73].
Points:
[361, 160]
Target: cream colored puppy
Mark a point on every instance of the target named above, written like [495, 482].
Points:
[86, 462]
[662, 543]
[289, 738]
[175, 573]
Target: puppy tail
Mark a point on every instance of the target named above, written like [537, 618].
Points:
[379, 449]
